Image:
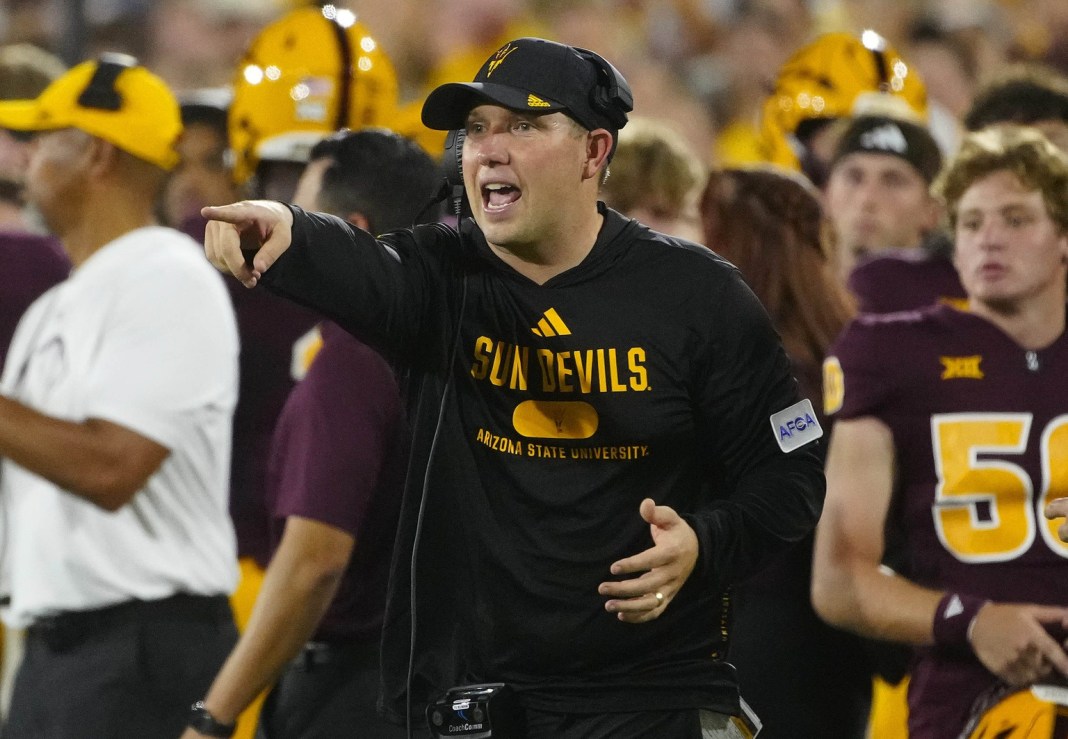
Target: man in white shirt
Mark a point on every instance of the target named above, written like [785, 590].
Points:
[115, 412]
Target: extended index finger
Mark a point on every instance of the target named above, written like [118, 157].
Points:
[232, 213]
[263, 229]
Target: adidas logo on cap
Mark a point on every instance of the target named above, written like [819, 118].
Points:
[885, 138]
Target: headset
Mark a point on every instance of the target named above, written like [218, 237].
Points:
[452, 164]
[100, 93]
[611, 96]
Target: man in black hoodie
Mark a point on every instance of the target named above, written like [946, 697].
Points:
[606, 434]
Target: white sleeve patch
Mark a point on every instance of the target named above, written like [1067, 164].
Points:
[796, 426]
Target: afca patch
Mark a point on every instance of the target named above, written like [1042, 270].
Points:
[796, 426]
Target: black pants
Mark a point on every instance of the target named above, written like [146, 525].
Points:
[328, 691]
[125, 672]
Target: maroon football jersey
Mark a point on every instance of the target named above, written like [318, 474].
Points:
[980, 428]
[905, 280]
[29, 265]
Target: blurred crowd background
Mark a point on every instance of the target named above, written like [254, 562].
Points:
[705, 65]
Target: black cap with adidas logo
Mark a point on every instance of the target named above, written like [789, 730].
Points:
[539, 76]
[877, 134]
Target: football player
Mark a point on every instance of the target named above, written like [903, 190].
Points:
[952, 427]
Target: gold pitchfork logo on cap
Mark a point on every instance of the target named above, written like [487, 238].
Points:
[499, 57]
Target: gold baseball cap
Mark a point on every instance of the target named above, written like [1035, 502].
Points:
[112, 98]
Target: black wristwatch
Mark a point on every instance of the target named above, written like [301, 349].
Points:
[200, 718]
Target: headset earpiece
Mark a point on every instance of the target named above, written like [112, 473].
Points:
[452, 162]
[453, 158]
[611, 96]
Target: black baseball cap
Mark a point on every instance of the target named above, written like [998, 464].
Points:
[876, 134]
[539, 76]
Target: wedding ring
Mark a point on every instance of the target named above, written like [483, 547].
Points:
[659, 597]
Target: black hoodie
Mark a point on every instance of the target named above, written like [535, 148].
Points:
[542, 415]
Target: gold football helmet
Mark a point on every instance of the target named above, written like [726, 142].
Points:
[1038, 712]
[308, 74]
[837, 75]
